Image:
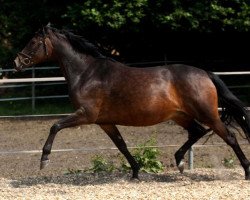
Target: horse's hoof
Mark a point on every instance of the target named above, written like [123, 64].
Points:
[44, 164]
[247, 173]
[181, 166]
[247, 177]
[135, 179]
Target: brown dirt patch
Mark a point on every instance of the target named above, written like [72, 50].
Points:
[20, 174]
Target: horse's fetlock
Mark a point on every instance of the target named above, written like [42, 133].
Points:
[47, 150]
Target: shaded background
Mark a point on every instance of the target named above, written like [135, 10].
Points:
[210, 34]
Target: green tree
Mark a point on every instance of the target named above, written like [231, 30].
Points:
[112, 14]
[173, 15]
[114, 22]
[20, 19]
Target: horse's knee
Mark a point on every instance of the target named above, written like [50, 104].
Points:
[55, 128]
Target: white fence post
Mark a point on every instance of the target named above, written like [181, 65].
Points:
[33, 91]
[191, 158]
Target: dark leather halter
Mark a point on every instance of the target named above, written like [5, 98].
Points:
[26, 59]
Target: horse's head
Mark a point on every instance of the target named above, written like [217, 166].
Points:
[38, 49]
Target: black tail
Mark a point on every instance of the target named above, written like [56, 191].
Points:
[231, 105]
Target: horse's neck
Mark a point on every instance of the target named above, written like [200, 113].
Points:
[72, 64]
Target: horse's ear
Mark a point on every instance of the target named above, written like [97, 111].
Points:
[46, 28]
[48, 25]
[44, 31]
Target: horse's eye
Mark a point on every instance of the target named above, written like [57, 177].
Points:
[32, 43]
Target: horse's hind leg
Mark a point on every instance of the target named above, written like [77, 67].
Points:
[220, 129]
[116, 137]
[195, 132]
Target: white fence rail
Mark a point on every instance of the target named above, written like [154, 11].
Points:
[54, 79]
[28, 80]
[12, 83]
[33, 82]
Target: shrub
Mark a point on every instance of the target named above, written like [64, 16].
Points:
[145, 154]
[100, 164]
[147, 157]
[229, 162]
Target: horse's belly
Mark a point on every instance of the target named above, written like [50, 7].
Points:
[149, 107]
[138, 117]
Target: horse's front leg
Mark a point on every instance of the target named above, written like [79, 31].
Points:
[77, 118]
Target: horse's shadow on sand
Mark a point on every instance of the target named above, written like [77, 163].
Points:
[83, 179]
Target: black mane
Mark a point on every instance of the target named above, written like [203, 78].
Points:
[80, 44]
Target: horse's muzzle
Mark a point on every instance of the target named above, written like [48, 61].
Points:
[17, 64]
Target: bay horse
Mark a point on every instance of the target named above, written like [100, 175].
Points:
[108, 93]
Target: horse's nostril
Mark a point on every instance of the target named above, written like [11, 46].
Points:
[14, 64]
